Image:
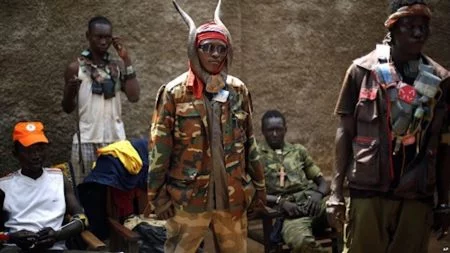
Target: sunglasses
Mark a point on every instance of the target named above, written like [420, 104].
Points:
[211, 48]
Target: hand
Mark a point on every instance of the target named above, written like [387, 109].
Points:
[24, 239]
[74, 83]
[336, 212]
[46, 238]
[441, 215]
[291, 209]
[120, 48]
[165, 211]
[314, 203]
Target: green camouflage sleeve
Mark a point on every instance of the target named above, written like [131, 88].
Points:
[254, 165]
[161, 141]
[311, 170]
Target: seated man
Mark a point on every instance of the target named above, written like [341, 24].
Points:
[288, 172]
[34, 199]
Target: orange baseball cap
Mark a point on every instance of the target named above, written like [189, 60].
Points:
[29, 133]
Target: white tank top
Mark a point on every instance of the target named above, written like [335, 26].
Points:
[100, 119]
[33, 204]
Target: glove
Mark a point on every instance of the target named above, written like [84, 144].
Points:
[24, 239]
[441, 220]
[46, 238]
[336, 212]
[314, 203]
[291, 209]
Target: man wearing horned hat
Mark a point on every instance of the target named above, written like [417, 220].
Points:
[205, 169]
[392, 108]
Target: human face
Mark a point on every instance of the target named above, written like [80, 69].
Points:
[212, 54]
[274, 131]
[31, 158]
[100, 37]
[409, 36]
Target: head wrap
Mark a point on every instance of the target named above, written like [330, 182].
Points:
[197, 75]
[210, 31]
[417, 9]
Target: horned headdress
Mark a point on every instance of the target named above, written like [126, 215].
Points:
[196, 67]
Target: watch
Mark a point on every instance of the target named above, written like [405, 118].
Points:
[129, 70]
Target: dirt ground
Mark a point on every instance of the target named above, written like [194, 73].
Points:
[255, 247]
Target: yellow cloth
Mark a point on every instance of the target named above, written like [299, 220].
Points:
[125, 152]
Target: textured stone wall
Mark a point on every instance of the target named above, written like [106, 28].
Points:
[291, 53]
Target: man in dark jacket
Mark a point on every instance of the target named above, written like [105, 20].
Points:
[392, 109]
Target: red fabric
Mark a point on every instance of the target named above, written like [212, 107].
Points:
[210, 36]
[194, 84]
[211, 30]
[412, 10]
[123, 201]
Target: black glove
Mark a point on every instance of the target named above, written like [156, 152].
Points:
[441, 222]
[46, 238]
[314, 203]
[24, 239]
[291, 209]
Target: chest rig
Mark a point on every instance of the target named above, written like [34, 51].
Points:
[105, 78]
[410, 106]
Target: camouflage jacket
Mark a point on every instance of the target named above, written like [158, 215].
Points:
[180, 150]
[298, 167]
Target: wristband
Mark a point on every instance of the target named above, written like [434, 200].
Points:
[81, 217]
[129, 70]
[261, 185]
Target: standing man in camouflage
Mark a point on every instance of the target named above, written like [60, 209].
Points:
[392, 107]
[294, 184]
[204, 162]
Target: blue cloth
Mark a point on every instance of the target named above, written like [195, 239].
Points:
[110, 171]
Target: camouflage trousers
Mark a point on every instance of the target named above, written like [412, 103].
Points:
[299, 233]
[185, 231]
[380, 225]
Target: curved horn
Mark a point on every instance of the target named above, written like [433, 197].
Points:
[218, 21]
[191, 44]
[187, 19]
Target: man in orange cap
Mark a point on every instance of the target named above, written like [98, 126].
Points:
[35, 199]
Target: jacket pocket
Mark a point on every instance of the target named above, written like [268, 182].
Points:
[366, 108]
[366, 157]
[188, 122]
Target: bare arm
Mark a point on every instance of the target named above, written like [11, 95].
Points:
[71, 86]
[72, 205]
[131, 85]
[344, 137]
[322, 185]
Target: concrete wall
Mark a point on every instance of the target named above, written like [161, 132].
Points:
[291, 53]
